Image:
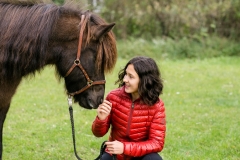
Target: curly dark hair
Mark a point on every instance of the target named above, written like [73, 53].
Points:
[151, 83]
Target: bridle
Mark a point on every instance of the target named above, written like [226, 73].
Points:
[77, 62]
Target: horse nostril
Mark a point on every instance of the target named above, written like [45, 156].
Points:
[100, 99]
[90, 103]
[94, 103]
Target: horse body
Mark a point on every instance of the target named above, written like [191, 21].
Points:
[35, 35]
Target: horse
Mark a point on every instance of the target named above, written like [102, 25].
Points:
[80, 44]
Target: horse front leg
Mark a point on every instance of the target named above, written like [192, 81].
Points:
[7, 90]
[3, 113]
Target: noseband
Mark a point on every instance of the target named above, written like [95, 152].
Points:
[77, 62]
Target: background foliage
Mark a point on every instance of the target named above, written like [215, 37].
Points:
[175, 19]
[177, 29]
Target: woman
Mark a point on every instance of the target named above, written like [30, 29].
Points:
[134, 112]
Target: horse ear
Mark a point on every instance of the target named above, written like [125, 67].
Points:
[101, 30]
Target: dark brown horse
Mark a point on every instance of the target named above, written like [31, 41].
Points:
[80, 44]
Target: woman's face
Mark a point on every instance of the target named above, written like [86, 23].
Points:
[131, 80]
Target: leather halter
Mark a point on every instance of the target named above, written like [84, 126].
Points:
[77, 62]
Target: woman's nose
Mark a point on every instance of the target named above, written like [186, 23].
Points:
[125, 79]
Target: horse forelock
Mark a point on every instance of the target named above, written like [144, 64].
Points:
[107, 51]
[24, 36]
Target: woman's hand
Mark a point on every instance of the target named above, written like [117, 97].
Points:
[104, 110]
[115, 147]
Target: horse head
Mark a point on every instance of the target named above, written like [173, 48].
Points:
[86, 49]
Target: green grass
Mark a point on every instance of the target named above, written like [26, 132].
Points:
[202, 106]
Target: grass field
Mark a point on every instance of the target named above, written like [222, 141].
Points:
[202, 100]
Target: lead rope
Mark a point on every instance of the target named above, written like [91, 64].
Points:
[73, 134]
[72, 124]
[102, 149]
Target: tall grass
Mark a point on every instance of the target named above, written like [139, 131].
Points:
[166, 48]
[202, 106]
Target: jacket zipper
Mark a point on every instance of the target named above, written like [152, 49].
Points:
[129, 123]
[130, 118]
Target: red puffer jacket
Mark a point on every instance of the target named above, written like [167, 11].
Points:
[139, 127]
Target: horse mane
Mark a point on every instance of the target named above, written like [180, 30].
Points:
[25, 32]
[26, 28]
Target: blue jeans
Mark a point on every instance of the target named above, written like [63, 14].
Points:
[151, 156]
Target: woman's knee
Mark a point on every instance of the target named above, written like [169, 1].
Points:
[106, 156]
[152, 156]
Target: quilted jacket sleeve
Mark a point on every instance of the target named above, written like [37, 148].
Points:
[156, 137]
[100, 127]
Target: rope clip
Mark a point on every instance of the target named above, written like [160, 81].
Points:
[70, 102]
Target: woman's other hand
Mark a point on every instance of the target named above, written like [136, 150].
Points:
[115, 147]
